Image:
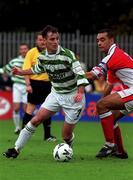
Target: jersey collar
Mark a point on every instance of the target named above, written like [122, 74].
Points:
[111, 47]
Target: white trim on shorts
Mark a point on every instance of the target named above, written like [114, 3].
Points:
[128, 104]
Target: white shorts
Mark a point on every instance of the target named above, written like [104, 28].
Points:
[73, 111]
[127, 97]
[19, 93]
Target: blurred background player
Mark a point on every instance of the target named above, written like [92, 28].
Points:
[19, 88]
[38, 87]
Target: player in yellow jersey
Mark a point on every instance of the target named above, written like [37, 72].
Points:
[38, 87]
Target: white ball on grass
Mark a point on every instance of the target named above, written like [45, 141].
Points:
[62, 152]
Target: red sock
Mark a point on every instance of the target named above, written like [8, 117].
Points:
[107, 121]
[118, 139]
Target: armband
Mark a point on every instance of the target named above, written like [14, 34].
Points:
[97, 71]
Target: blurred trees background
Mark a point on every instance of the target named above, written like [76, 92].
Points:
[88, 16]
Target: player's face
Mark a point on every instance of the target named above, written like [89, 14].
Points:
[40, 42]
[104, 42]
[23, 49]
[52, 42]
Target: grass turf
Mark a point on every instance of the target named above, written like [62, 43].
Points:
[36, 162]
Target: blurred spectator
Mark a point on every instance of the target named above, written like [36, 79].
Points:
[5, 82]
[19, 87]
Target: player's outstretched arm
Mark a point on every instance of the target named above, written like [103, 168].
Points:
[21, 72]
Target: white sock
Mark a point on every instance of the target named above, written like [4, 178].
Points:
[16, 120]
[116, 125]
[24, 136]
[110, 144]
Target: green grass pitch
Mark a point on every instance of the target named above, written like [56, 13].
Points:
[36, 161]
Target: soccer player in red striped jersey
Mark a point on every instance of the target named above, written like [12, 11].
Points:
[120, 64]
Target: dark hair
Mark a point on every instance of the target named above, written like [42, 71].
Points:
[47, 29]
[39, 33]
[23, 44]
[110, 32]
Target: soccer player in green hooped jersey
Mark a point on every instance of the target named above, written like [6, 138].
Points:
[19, 87]
[68, 83]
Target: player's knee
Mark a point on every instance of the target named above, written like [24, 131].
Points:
[100, 106]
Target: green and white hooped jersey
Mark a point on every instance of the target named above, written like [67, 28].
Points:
[18, 62]
[64, 70]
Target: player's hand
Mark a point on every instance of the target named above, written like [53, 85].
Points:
[90, 75]
[29, 89]
[78, 97]
[17, 71]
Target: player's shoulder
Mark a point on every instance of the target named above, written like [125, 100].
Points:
[67, 52]
[32, 50]
[15, 60]
[42, 56]
[43, 53]
[32, 53]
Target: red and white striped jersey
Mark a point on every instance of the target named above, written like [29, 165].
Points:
[119, 64]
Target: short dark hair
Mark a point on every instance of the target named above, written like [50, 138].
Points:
[109, 32]
[24, 44]
[39, 33]
[47, 29]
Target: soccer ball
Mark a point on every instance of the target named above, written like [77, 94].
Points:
[62, 152]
